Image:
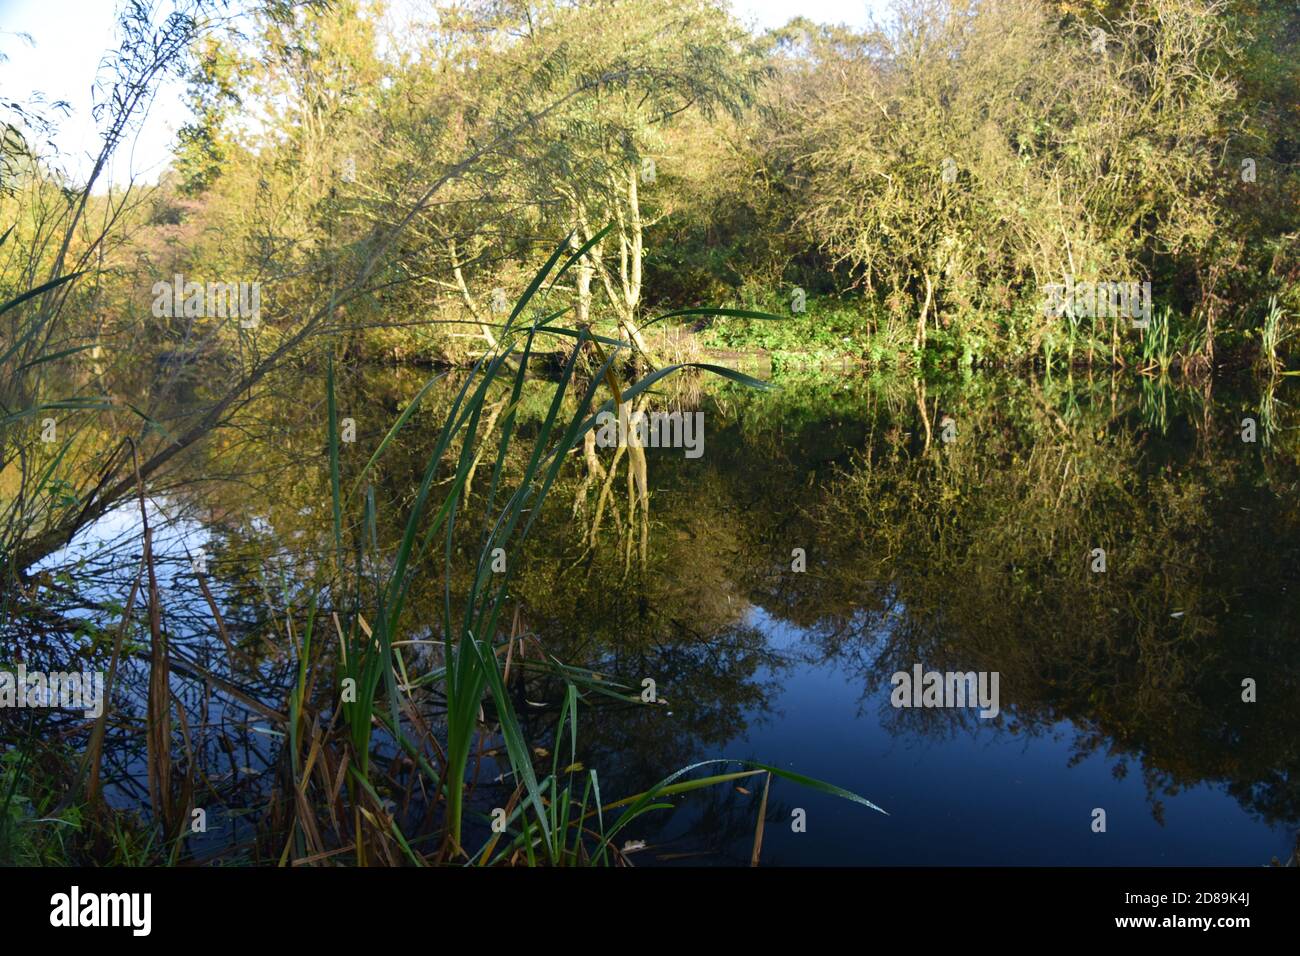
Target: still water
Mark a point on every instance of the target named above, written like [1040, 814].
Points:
[1112, 549]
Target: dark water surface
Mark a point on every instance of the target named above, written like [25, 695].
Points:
[1118, 690]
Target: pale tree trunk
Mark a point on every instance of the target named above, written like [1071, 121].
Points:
[469, 299]
[585, 273]
[924, 411]
[925, 312]
[627, 298]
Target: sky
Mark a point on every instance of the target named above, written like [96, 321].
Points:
[71, 37]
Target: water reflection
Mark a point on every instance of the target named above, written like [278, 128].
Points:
[952, 524]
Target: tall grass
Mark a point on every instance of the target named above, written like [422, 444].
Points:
[362, 595]
[1155, 353]
[550, 819]
[1273, 337]
[41, 500]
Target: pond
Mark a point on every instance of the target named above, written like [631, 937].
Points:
[1105, 558]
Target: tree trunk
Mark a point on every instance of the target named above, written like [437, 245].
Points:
[925, 312]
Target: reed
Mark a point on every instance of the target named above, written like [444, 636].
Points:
[1273, 337]
[549, 821]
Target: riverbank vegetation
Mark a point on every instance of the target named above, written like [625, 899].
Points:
[914, 188]
[354, 337]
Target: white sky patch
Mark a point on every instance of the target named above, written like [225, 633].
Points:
[70, 39]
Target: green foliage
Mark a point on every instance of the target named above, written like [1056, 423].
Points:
[29, 835]
[371, 662]
[827, 325]
[385, 189]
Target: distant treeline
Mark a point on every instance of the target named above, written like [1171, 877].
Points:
[933, 175]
